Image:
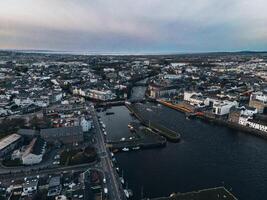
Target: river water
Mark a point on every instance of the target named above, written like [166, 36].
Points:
[207, 156]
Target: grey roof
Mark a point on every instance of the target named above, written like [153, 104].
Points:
[54, 181]
[27, 132]
[62, 131]
[38, 146]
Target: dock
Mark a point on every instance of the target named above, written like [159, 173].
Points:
[142, 138]
[218, 193]
[158, 128]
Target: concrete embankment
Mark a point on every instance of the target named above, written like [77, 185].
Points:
[221, 122]
[207, 194]
[234, 126]
[142, 138]
[160, 129]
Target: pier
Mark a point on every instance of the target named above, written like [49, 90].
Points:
[218, 193]
[158, 128]
[142, 138]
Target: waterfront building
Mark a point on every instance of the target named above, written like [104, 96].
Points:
[234, 115]
[258, 100]
[223, 107]
[100, 95]
[157, 91]
[248, 111]
[252, 123]
[188, 95]
[194, 98]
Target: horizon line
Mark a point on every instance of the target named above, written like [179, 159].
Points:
[118, 53]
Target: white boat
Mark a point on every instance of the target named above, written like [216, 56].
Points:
[126, 192]
[123, 139]
[122, 180]
[136, 148]
[125, 149]
[148, 109]
[105, 133]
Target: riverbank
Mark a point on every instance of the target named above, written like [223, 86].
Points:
[206, 194]
[207, 156]
[190, 113]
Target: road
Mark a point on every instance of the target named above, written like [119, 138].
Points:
[20, 175]
[113, 182]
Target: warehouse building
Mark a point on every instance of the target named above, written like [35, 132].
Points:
[9, 143]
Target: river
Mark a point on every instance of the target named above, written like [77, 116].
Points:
[207, 156]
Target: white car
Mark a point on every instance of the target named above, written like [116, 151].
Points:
[56, 163]
[105, 190]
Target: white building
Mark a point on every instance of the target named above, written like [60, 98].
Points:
[248, 111]
[223, 107]
[100, 95]
[34, 152]
[85, 124]
[248, 121]
[259, 96]
[193, 97]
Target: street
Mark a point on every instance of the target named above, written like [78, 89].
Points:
[115, 189]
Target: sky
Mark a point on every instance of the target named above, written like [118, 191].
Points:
[134, 26]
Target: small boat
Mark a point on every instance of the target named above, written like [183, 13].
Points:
[105, 133]
[109, 113]
[122, 180]
[148, 109]
[125, 149]
[122, 139]
[136, 148]
[115, 150]
[126, 192]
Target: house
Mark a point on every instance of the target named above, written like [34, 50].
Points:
[54, 186]
[34, 152]
[65, 135]
[9, 143]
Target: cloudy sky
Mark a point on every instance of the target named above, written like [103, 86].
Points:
[134, 26]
